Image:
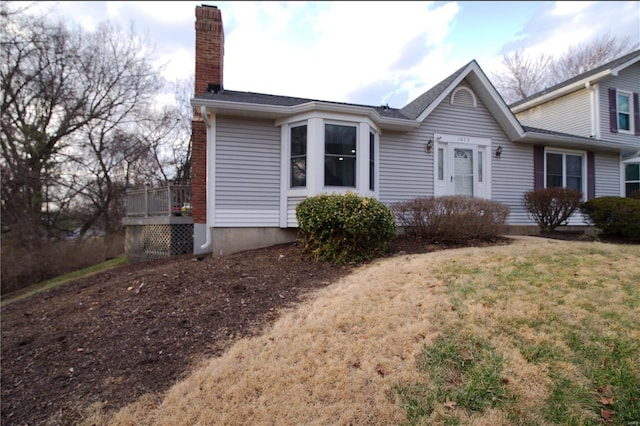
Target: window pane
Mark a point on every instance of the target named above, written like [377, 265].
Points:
[339, 140]
[372, 163]
[632, 172]
[440, 164]
[623, 103]
[554, 170]
[339, 171]
[623, 122]
[299, 171]
[299, 140]
[480, 155]
[574, 165]
[340, 155]
[574, 183]
[298, 156]
[629, 187]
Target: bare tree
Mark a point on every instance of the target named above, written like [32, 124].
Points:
[58, 82]
[524, 75]
[587, 56]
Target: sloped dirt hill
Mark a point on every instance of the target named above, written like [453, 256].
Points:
[115, 336]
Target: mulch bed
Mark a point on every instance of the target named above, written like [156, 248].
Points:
[139, 328]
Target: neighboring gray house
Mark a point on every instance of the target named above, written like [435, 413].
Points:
[601, 104]
[256, 156]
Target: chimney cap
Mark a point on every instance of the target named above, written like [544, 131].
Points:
[209, 5]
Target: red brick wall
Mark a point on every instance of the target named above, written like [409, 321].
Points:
[209, 62]
[198, 171]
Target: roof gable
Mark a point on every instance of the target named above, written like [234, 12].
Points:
[423, 105]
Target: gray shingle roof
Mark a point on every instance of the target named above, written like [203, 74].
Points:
[612, 64]
[265, 99]
[529, 129]
[422, 102]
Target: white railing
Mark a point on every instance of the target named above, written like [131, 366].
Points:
[171, 200]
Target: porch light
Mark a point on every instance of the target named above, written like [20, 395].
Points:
[499, 151]
[429, 146]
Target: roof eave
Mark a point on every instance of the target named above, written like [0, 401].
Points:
[565, 90]
[575, 142]
[282, 111]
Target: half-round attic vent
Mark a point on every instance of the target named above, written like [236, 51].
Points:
[463, 96]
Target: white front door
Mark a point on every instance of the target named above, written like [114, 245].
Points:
[462, 166]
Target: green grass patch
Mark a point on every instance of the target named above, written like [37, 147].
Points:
[464, 372]
[573, 317]
[62, 279]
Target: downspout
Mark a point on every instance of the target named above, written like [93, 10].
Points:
[208, 182]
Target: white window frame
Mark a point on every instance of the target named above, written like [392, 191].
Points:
[564, 153]
[629, 96]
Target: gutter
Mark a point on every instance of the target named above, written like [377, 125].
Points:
[209, 185]
[284, 111]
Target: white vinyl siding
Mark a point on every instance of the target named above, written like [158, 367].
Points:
[511, 174]
[607, 168]
[406, 170]
[568, 114]
[628, 80]
[292, 203]
[247, 172]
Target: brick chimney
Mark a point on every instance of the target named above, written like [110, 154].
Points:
[208, 75]
[209, 48]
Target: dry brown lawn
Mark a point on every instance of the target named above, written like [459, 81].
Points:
[339, 357]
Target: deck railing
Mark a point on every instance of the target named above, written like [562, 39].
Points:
[171, 200]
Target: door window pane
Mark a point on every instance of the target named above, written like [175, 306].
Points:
[463, 171]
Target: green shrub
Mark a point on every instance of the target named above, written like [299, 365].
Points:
[345, 228]
[617, 216]
[552, 207]
[451, 218]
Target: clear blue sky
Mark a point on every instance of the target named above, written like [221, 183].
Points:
[361, 52]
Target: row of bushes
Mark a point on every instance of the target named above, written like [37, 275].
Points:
[351, 228]
[614, 216]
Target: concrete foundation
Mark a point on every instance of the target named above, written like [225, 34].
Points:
[232, 240]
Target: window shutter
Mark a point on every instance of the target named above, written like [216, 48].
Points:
[613, 110]
[591, 176]
[636, 114]
[538, 166]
